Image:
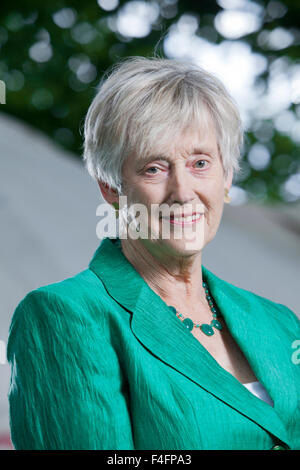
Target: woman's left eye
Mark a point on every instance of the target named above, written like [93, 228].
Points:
[201, 161]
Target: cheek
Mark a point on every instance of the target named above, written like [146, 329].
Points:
[219, 203]
[215, 206]
[150, 194]
[141, 195]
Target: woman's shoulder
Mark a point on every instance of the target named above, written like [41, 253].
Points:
[256, 302]
[73, 301]
[76, 289]
[280, 312]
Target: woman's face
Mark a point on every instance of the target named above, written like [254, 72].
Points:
[187, 172]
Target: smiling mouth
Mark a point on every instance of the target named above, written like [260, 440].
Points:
[184, 220]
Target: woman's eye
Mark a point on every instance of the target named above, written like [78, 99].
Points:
[201, 161]
[152, 168]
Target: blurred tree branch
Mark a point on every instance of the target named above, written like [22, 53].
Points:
[52, 57]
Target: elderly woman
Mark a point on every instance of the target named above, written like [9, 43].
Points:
[146, 348]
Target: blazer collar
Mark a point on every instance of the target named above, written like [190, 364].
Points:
[165, 336]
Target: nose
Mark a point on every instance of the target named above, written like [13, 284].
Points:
[181, 186]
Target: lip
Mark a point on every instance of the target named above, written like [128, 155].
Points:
[183, 222]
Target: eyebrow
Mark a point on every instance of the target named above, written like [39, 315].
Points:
[152, 158]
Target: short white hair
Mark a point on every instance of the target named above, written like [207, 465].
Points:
[142, 101]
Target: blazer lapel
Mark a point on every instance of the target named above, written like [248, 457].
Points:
[260, 338]
[165, 336]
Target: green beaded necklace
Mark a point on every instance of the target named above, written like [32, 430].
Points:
[205, 327]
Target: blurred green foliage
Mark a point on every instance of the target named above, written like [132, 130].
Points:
[53, 54]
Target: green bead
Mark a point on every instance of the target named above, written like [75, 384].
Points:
[214, 310]
[217, 324]
[207, 329]
[188, 323]
[173, 309]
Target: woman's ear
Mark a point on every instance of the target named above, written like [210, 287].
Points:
[110, 195]
[228, 179]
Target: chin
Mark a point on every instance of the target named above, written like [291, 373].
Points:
[184, 246]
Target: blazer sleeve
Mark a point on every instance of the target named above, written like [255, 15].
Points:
[66, 388]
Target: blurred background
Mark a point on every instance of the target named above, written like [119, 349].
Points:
[52, 58]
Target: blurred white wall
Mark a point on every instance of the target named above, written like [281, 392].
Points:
[48, 212]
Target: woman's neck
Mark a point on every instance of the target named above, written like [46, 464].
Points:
[171, 277]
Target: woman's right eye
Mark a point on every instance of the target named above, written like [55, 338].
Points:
[151, 168]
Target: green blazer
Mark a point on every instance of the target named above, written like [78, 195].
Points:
[99, 361]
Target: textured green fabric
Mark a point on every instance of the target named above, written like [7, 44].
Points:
[98, 361]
